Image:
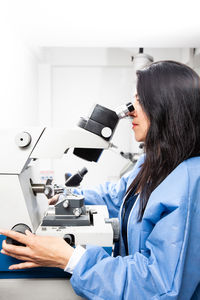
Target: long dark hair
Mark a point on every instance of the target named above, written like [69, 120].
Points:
[169, 93]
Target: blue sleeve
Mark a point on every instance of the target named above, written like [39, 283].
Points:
[110, 194]
[100, 276]
[157, 271]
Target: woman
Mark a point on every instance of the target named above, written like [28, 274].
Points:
[158, 203]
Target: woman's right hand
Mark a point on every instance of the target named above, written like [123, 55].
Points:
[40, 251]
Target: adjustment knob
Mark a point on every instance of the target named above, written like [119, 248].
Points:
[21, 228]
[23, 139]
[68, 239]
[115, 226]
[77, 211]
[106, 132]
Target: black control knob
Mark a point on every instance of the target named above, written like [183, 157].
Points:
[21, 228]
[69, 239]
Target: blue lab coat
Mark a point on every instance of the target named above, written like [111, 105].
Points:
[164, 249]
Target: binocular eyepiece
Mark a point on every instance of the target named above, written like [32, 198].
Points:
[123, 110]
[102, 122]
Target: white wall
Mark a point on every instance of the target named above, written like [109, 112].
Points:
[18, 82]
[194, 60]
[73, 79]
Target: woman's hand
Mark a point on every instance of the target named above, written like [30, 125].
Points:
[40, 251]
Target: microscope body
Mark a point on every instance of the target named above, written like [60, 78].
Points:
[70, 218]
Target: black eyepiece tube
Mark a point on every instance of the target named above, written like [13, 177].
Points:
[130, 107]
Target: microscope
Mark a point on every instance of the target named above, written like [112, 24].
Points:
[69, 218]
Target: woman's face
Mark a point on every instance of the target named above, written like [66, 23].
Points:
[140, 121]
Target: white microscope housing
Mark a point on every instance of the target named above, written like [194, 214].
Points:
[20, 147]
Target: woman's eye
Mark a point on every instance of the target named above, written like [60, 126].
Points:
[138, 100]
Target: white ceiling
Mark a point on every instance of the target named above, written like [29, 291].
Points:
[103, 23]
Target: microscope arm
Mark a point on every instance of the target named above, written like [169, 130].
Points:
[55, 141]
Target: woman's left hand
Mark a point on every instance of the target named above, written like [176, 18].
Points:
[40, 251]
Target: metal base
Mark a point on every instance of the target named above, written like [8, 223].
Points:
[50, 220]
